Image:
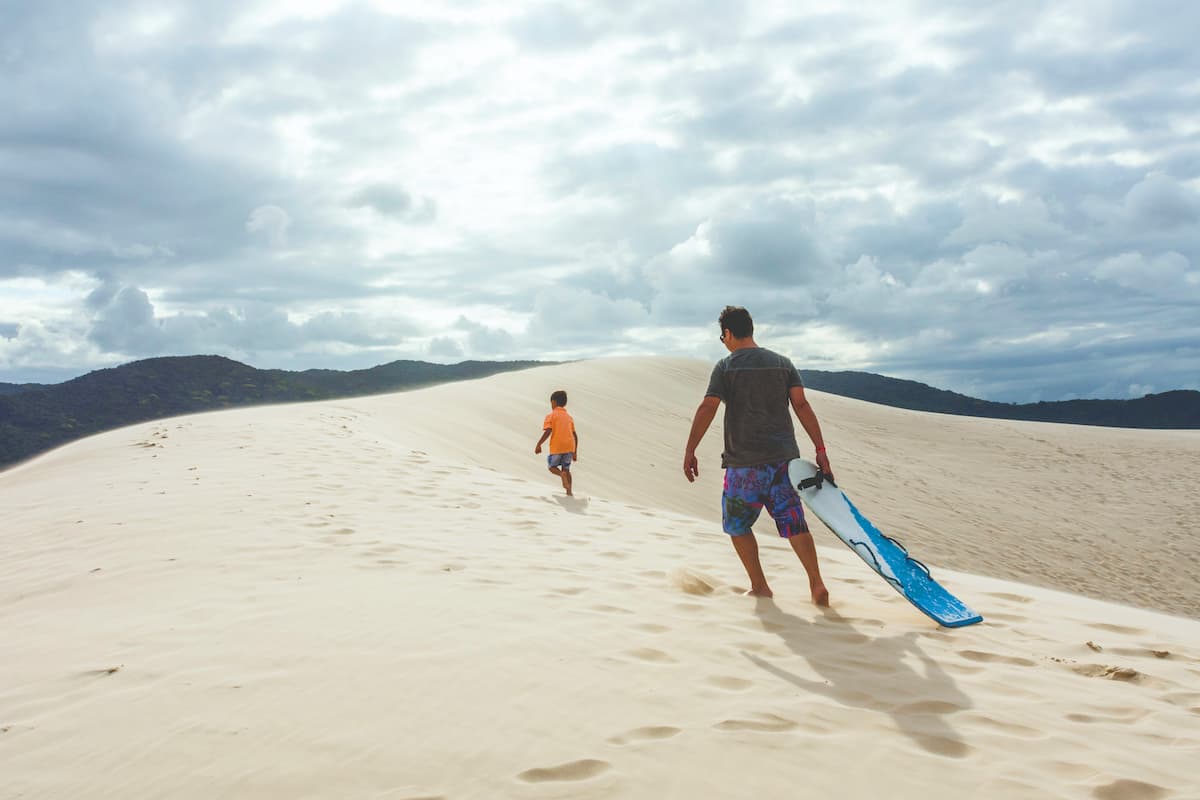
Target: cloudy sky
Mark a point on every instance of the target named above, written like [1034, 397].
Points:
[997, 198]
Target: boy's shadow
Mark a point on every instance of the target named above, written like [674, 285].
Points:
[576, 505]
[918, 700]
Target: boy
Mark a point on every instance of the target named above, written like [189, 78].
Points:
[559, 428]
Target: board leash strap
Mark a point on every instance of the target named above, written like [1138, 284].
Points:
[816, 480]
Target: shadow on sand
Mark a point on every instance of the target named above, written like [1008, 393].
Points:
[576, 505]
[872, 673]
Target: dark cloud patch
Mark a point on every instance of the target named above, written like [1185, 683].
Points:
[126, 322]
[564, 317]
[394, 202]
[1160, 202]
[484, 341]
[771, 243]
[444, 347]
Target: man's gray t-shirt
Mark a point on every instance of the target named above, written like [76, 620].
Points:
[755, 385]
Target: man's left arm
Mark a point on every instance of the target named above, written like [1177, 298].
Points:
[808, 420]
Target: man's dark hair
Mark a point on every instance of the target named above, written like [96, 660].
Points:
[559, 398]
[737, 320]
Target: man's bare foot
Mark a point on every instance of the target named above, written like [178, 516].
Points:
[820, 596]
[763, 592]
[570, 493]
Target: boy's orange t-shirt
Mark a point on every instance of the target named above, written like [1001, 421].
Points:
[562, 431]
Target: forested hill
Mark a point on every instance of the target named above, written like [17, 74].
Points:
[16, 388]
[36, 419]
[1174, 410]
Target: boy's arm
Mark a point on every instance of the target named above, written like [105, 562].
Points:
[545, 435]
[575, 453]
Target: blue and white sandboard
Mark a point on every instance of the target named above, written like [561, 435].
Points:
[882, 553]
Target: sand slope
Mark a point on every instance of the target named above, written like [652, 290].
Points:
[388, 597]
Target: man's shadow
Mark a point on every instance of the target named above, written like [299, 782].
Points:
[919, 700]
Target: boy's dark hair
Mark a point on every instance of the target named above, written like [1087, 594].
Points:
[737, 321]
[559, 398]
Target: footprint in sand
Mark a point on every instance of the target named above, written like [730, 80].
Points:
[1012, 598]
[1010, 728]
[693, 582]
[929, 707]
[571, 771]
[1125, 674]
[1125, 789]
[1119, 716]
[603, 609]
[996, 658]
[944, 746]
[648, 733]
[764, 722]
[729, 683]
[650, 654]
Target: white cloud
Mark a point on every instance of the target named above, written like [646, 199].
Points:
[1168, 274]
[272, 221]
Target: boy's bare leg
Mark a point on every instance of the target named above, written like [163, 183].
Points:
[564, 475]
[747, 549]
[802, 543]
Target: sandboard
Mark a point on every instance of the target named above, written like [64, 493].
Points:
[883, 554]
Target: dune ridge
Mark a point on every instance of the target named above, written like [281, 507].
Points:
[390, 597]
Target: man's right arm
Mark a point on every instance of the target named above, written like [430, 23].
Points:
[705, 414]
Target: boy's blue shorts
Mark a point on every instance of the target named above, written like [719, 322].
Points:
[559, 460]
[748, 489]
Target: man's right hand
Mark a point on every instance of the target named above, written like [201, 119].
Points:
[537, 449]
[691, 467]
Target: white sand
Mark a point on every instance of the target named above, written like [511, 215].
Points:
[389, 597]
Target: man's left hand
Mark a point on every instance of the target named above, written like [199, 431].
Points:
[823, 463]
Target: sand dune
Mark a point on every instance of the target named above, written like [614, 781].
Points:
[389, 597]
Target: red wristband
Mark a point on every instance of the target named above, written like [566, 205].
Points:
[821, 449]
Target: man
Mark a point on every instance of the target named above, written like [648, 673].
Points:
[757, 386]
